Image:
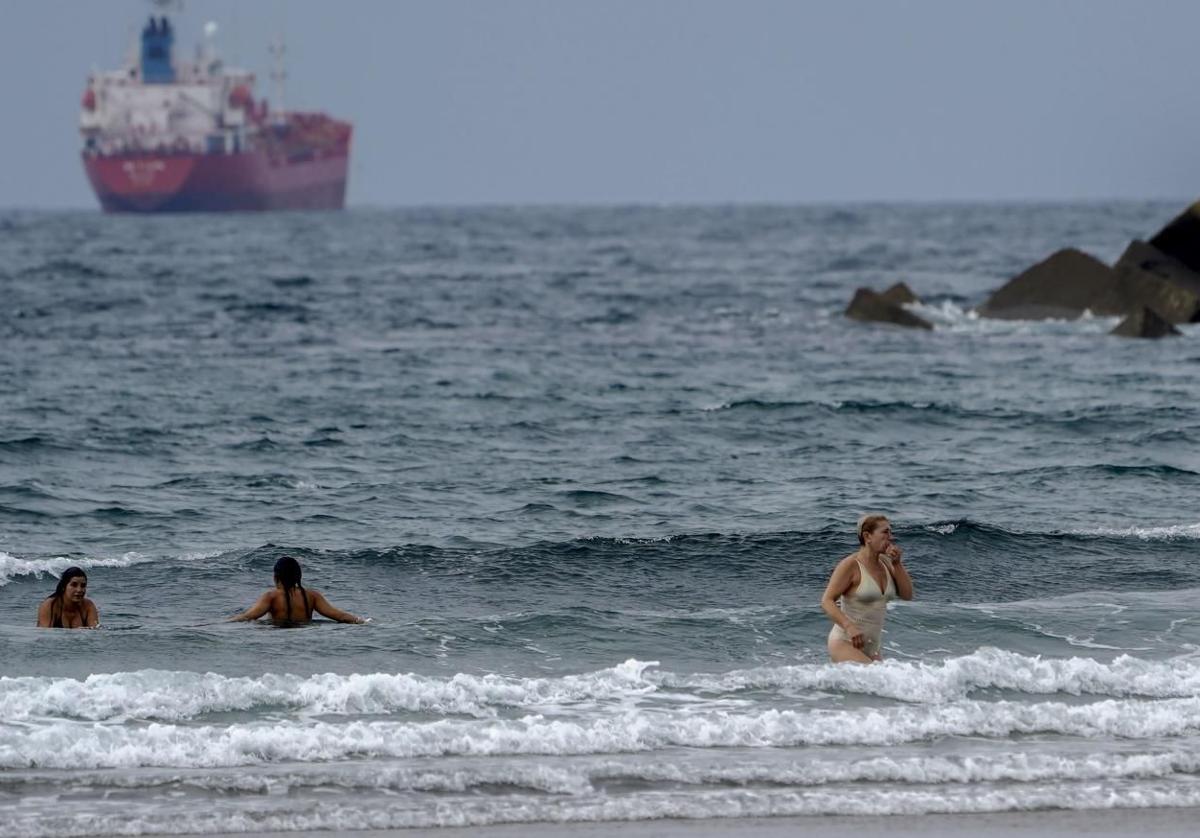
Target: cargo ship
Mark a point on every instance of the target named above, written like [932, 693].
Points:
[162, 134]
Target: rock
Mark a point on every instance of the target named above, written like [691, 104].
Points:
[1137, 289]
[1061, 285]
[1177, 300]
[1180, 239]
[900, 294]
[1069, 281]
[872, 307]
[1144, 323]
[1149, 258]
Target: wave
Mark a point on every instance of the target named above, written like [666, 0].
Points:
[990, 416]
[570, 775]
[75, 745]
[1173, 532]
[176, 696]
[1103, 469]
[65, 268]
[288, 815]
[12, 567]
[35, 443]
[179, 696]
[858, 406]
[592, 498]
[956, 678]
[967, 527]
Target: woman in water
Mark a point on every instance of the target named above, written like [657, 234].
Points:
[858, 592]
[289, 603]
[69, 607]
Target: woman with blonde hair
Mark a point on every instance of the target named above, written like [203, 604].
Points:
[859, 590]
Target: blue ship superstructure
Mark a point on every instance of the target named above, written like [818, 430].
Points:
[157, 39]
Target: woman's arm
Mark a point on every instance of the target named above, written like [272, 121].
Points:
[326, 609]
[91, 615]
[45, 613]
[840, 582]
[254, 611]
[904, 583]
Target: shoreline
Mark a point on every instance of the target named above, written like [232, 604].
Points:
[1163, 823]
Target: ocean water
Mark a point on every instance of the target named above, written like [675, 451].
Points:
[587, 471]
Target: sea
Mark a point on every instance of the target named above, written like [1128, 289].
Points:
[587, 471]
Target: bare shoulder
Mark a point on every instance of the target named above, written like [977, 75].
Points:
[847, 569]
[316, 595]
[44, 608]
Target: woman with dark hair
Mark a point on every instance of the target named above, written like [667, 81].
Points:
[289, 603]
[859, 589]
[69, 607]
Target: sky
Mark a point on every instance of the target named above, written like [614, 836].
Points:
[464, 102]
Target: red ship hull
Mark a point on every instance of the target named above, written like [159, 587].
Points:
[245, 181]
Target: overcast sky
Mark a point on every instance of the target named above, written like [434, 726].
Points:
[670, 101]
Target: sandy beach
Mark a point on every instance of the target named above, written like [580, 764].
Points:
[1093, 822]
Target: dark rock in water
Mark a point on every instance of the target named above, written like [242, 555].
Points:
[1181, 238]
[1136, 288]
[1144, 323]
[900, 294]
[1148, 258]
[1062, 285]
[1069, 281]
[872, 307]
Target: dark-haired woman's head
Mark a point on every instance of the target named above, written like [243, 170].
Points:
[71, 585]
[287, 572]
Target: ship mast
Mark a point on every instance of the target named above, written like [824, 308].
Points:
[278, 51]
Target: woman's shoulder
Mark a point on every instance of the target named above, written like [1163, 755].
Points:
[269, 595]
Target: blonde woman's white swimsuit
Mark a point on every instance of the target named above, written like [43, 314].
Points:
[865, 606]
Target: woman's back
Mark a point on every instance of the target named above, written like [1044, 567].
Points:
[291, 606]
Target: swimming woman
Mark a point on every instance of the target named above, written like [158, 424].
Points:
[69, 607]
[289, 603]
[859, 590]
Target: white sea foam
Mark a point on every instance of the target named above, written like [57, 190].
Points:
[577, 776]
[179, 696]
[1174, 532]
[1170, 532]
[950, 316]
[955, 678]
[174, 696]
[76, 745]
[12, 567]
[269, 814]
[942, 529]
